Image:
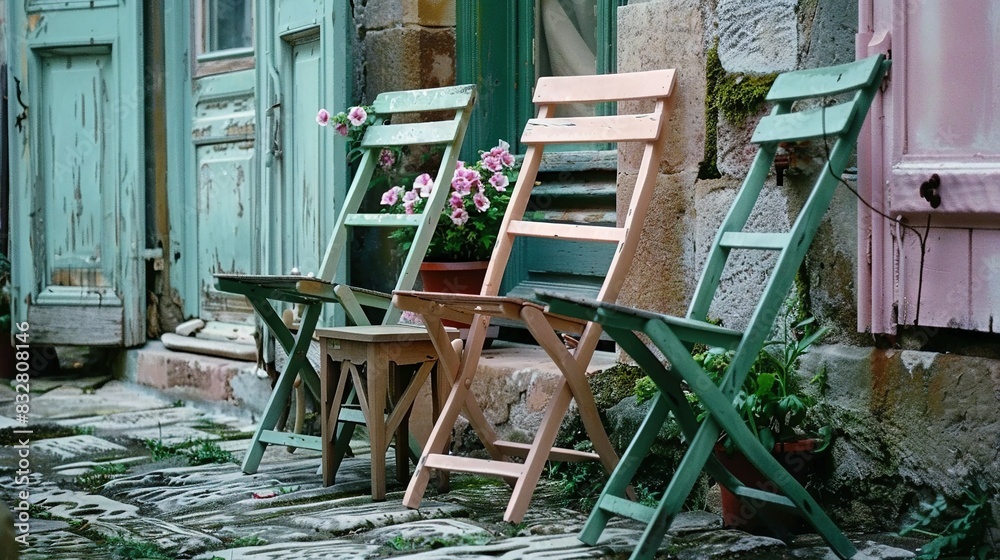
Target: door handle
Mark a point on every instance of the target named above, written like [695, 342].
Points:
[929, 190]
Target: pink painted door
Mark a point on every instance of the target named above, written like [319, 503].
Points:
[939, 116]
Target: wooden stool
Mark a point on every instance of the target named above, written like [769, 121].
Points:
[385, 393]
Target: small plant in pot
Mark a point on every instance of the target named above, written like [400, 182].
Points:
[774, 405]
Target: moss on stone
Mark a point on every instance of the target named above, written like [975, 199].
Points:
[708, 168]
[735, 96]
[614, 384]
[738, 96]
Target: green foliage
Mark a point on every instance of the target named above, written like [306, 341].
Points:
[399, 542]
[197, 452]
[131, 549]
[967, 536]
[100, 474]
[771, 401]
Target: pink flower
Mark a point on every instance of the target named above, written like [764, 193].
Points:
[502, 152]
[461, 185]
[410, 201]
[499, 182]
[493, 163]
[481, 201]
[459, 216]
[357, 116]
[391, 196]
[424, 185]
[323, 117]
[341, 128]
[457, 200]
[386, 158]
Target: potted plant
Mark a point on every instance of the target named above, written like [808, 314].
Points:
[774, 404]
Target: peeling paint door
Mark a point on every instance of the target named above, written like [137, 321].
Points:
[931, 163]
[227, 201]
[302, 66]
[78, 194]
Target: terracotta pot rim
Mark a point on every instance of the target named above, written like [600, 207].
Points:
[461, 265]
[794, 446]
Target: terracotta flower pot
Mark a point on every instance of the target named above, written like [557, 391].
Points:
[763, 518]
[454, 278]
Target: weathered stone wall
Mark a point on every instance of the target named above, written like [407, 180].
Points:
[406, 44]
[907, 424]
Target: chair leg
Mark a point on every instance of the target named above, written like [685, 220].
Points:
[627, 467]
[539, 454]
[298, 364]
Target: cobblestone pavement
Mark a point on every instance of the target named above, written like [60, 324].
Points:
[110, 477]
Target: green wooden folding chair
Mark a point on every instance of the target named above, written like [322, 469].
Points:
[837, 125]
[311, 293]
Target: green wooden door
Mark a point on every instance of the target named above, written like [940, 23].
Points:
[78, 194]
[302, 66]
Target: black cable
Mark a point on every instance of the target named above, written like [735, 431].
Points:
[922, 238]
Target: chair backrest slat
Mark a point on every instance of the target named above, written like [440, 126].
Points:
[651, 84]
[823, 82]
[436, 99]
[448, 132]
[615, 128]
[805, 125]
[390, 135]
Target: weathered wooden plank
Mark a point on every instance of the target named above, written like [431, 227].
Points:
[579, 160]
[295, 440]
[592, 89]
[613, 128]
[792, 127]
[76, 324]
[434, 99]
[985, 271]
[625, 508]
[566, 231]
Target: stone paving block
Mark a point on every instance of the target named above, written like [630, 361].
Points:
[172, 436]
[343, 515]
[71, 447]
[321, 550]
[426, 530]
[70, 504]
[71, 402]
[62, 544]
[718, 543]
[82, 467]
[613, 543]
[170, 536]
[6, 422]
[137, 420]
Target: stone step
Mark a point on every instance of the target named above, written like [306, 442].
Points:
[514, 383]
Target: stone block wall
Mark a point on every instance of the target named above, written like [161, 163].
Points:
[406, 44]
[907, 424]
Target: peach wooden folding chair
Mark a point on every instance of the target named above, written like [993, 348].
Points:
[647, 128]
